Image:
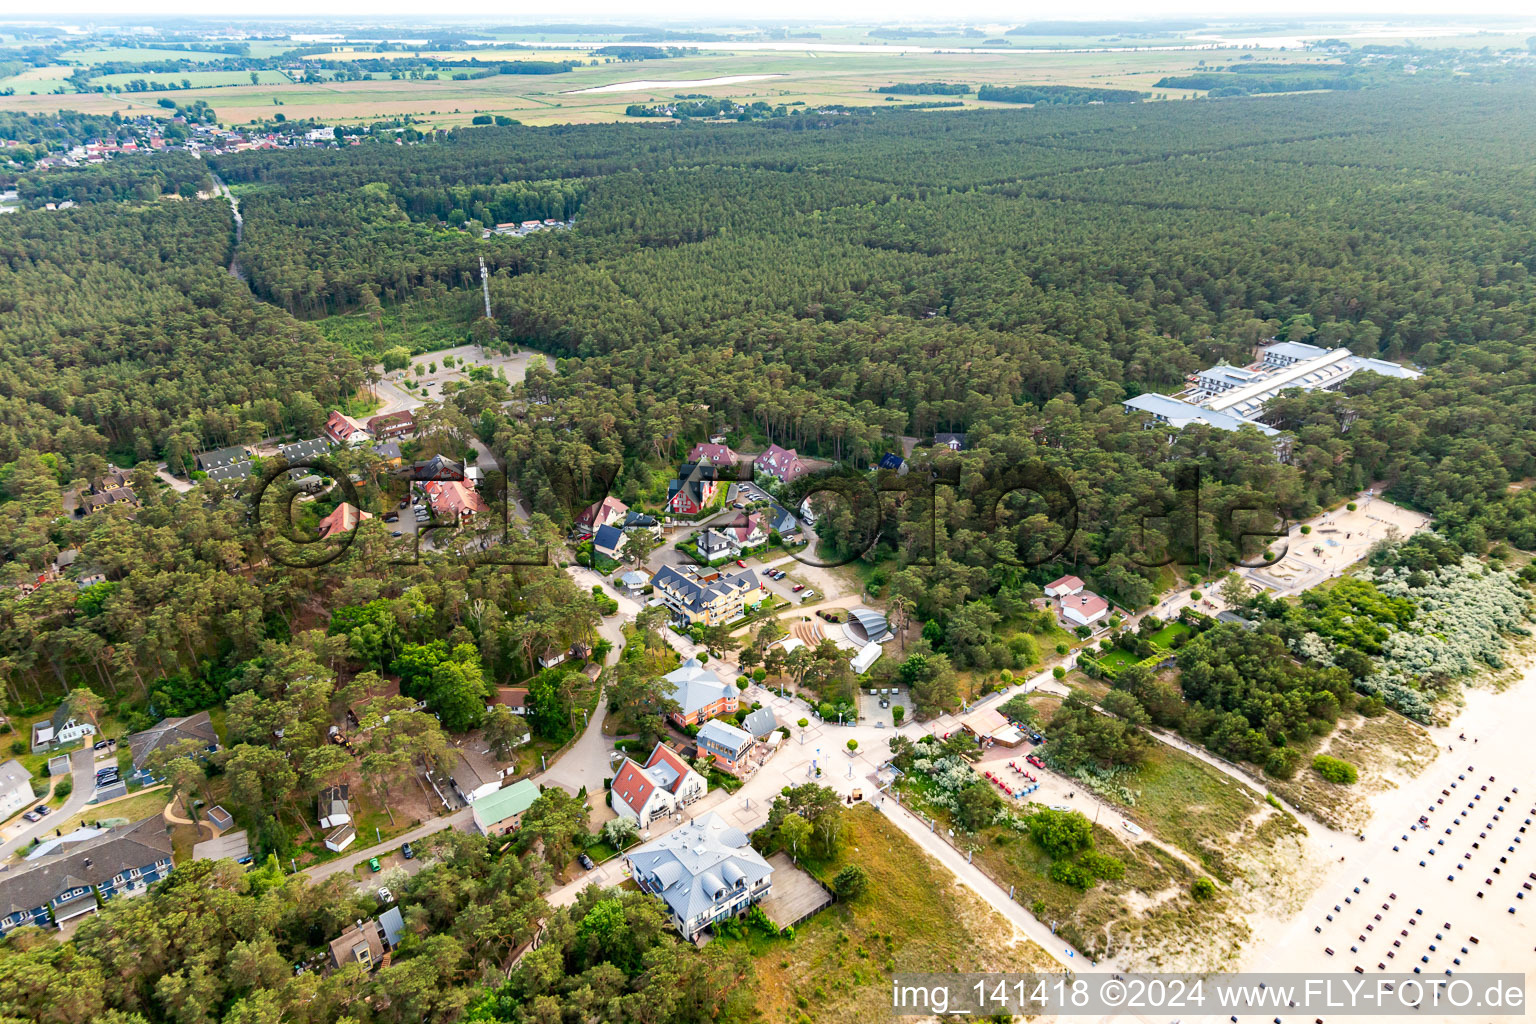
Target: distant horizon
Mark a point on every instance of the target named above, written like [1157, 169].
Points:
[796, 12]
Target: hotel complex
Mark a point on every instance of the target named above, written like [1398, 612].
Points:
[1231, 397]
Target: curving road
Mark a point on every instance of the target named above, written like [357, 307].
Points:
[82, 769]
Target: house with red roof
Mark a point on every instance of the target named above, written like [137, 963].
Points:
[783, 464]
[1084, 608]
[714, 454]
[343, 429]
[608, 512]
[454, 498]
[1063, 587]
[665, 783]
[344, 519]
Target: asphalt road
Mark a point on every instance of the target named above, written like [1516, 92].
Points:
[82, 768]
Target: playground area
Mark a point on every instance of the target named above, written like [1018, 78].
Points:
[1337, 539]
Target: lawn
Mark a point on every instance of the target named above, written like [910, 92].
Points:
[1117, 658]
[145, 804]
[1164, 637]
[914, 917]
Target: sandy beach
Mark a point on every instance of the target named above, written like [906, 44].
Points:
[1478, 849]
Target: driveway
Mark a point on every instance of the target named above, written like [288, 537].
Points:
[82, 769]
[460, 819]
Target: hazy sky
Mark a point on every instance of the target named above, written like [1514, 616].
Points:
[824, 10]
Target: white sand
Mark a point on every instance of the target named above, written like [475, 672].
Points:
[1502, 724]
[646, 85]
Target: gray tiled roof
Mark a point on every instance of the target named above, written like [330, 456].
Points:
[697, 865]
[92, 862]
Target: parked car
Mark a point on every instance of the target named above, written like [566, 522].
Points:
[797, 588]
[373, 864]
[102, 744]
[1032, 759]
[33, 816]
[741, 563]
[396, 533]
[385, 896]
[43, 809]
[586, 861]
[407, 852]
[393, 517]
[404, 503]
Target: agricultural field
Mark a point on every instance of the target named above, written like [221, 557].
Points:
[199, 79]
[812, 78]
[100, 54]
[39, 81]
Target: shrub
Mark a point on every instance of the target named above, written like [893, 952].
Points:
[1306, 530]
[1102, 864]
[1194, 595]
[64, 787]
[1202, 888]
[1068, 873]
[1282, 762]
[898, 713]
[1335, 770]
[1058, 672]
[1063, 648]
[18, 747]
[853, 745]
[850, 882]
[1351, 506]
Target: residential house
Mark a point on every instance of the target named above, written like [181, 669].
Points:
[343, 429]
[15, 788]
[758, 724]
[608, 541]
[1084, 608]
[714, 454]
[608, 512]
[77, 878]
[123, 496]
[699, 693]
[634, 582]
[333, 807]
[233, 472]
[454, 499]
[728, 745]
[171, 731]
[301, 453]
[989, 726]
[954, 442]
[388, 452]
[369, 942]
[746, 532]
[345, 518]
[665, 783]
[1063, 587]
[783, 464]
[392, 425]
[501, 812]
[707, 598]
[437, 467]
[780, 521]
[553, 656]
[223, 458]
[712, 544]
[894, 463]
[58, 730]
[235, 846]
[515, 698]
[703, 871]
[695, 488]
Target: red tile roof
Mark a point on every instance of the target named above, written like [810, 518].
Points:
[633, 786]
[346, 517]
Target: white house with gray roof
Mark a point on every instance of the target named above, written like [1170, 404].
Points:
[704, 871]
